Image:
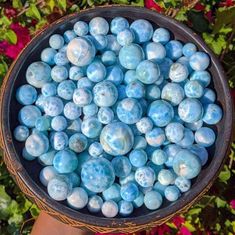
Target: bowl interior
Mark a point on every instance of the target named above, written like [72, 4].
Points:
[179, 32]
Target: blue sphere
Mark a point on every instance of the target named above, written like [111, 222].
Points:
[153, 200]
[76, 73]
[125, 37]
[56, 41]
[130, 76]
[194, 125]
[91, 127]
[72, 111]
[138, 157]
[90, 110]
[65, 89]
[53, 106]
[109, 209]
[61, 58]
[59, 123]
[47, 158]
[201, 152]
[47, 55]
[59, 73]
[159, 157]
[78, 198]
[43, 123]
[174, 49]
[26, 94]
[78, 142]
[208, 97]
[81, 28]
[165, 67]
[59, 140]
[21, 133]
[125, 208]
[161, 35]
[108, 58]
[205, 136]
[144, 125]
[113, 44]
[46, 174]
[212, 114]
[166, 177]
[98, 26]
[49, 89]
[129, 191]
[139, 201]
[187, 140]
[118, 24]
[115, 74]
[171, 150]
[105, 115]
[174, 132]
[135, 90]
[112, 193]
[69, 35]
[145, 176]
[122, 166]
[182, 184]
[203, 77]
[95, 149]
[84, 82]
[178, 72]
[82, 97]
[94, 204]
[96, 71]
[189, 49]
[155, 51]
[27, 156]
[100, 41]
[193, 89]
[199, 61]
[97, 174]
[172, 193]
[159, 188]
[155, 137]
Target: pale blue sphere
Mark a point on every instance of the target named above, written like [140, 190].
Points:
[108, 58]
[147, 72]
[142, 29]
[125, 37]
[97, 174]
[161, 112]
[105, 94]
[65, 89]
[78, 198]
[78, 142]
[65, 161]
[105, 115]
[49, 89]
[95, 204]
[118, 24]
[212, 114]
[56, 41]
[166, 177]
[27, 156]
[145, 176]
[201, 152]
[73, 178]
[109, 209]
[129, 191]
[159, 188]
[82, 97]
[182, 184]
[47, 158]
[205, 137]
[53, 106]
[98, 26]
[81, 51]
[153, 92]
[155, 51]
[203, 77]
[172, 193]
[96, 71]
[139, 142]
[37, 144]
[28, 115]
[59, 73]
[130, 76]
[75, 73]
[81, 28]
[117, 138]
[125, 208]
[155, 137]
[115, 74]
[173, 93]
[178, 72]
[193, 89]
[95, 149]
[185, 61]
[84, 82]
[46, 174]
[43, 123]
[61, 58]
[174, 132]
[91, 127]
[47, 55]
[159, 157]
[174, 49]
[165, 67]
[208, 97]
[38, 73]
[186, 164]
[113, 44]
[189, 49]
[59, 123]
[144, 125]
[59, 140]
[100, 41]
[90, 110]
[40, 102]
[187, 140]
[122, 166]
[171, 150]
[130, 56]
[135, 89]
[161, 35]
[112, 193]
[69, 35]
[72, 111]
[153, 200]
[194, 125]
[129, 111]
[199, 61]
[138, 157]
[21, 133]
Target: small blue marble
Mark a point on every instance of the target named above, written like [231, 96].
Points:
[59, 123]
[189, 49]
[166, 177]
[28, 115]
[46, 174]
[199, 61]
[112, 193]
[153, 200]
[53, 106]
[69, 35]
[155, 51]
[61, 58]
[81, 51]
[115, 74]
[193, 89]
[185, 61]
[130, 56]
[90, 110]
[194, 125]
[171, 151]
[95, 149]
[98, 25]
[91, 127]
[56, 41]
[135, 89]
[205, 137]
[81, 28]
[161, 35]
[96, 71]
[159, 188]
[159, 157]
[130, 76]
[84, 82]
[187, 140]
[153, 92]
[82, 97]
[109, 209]
[72, 111]
[129, 111]
[38, 73]
[21, 133]
[212, 114]
[208, 97]
[74, 126]
[190, 110]
[182, 184]
[65, 89]
[145, 176]
[43, 123]
[105, 94]
[78, 198]
[76, 73]
[138, 157]
[49, 89]
[144, 125]
[59, 73]
[100, 41]
[47, 55]
[47, 158]
[108, 58]
[59, 140]
[165, 67]
[203, 77]
[125, 208]
[139, 142]
[58, 188]
[142, 29]
[125, 37]
[174, 132]
[37, 144]
[173, 93]
[78, 142]
[118, 24]
[178, 72]
[186, 164]
[105, 115]
[174, 49]
[147, 72]
[65, 161]
[94, 204]
[201, 152]
[73, 178]
[97, 174]
[161, 112]
[113, 44]
[129, 191]
[172, 193]
[26, 94]
[122, 166]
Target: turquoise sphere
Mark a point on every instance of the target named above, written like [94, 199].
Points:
[153, 200]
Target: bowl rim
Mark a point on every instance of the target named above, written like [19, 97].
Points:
[93, 220]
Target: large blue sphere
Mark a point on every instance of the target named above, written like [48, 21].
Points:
[97, 174]
[26, 94]
[117, 138]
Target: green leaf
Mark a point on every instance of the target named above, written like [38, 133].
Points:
[138, 3]
[220, 203]
[182, 14]
[33, 12]
[34, 211]
[10, 36]
[62, 4]
[5, 21]
[51, 4]
[189, 226]
[194, 211]
[225, 175]
[17, 3]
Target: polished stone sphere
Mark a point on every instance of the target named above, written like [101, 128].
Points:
[94, 204]
[144, 125]
[98, 26]
[53, 106]
[174, 132]
[125, 37]
[96, 71]
[47, 55]
[90, 110]
[125, 208]
[193, 89]
[199, 61]
[109, 209]
[178, 72]
[122, 166]
[129, 191]
[59, 123]
[115, 74]
[49, 89]
[59, 140]
[138, 157]
[43, 123]
[82, 97]
[69, 35]
[155, 137]
[172, 193]
[203, 77]
[56, 41]
[76, 73]
[189, 49]
[159, 157]
[117, 138]
[81, 28]
[91, 127]
[108, 58]
[118, 24]
[21, 133]
[174, 49]
[105, 115]
[155, 51]
[46, 174]
[112, 193]
[72, 111]
[182, 184]
[26, 94]
[166, 177]
[153, 200]
[205, 136]
[78, 198]
[59, 73]
[65, 89]
[208, 97]
[212, 114]
[161, 35]
[97, 174]
[95, 149]
[171, 150]
[145, 176]
[78, 142]
[187, 140]
[113, 44]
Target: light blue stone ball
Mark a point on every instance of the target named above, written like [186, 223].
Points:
[159, 188]
[46, 159]
[189, 49]
[199, 61]
[159, 157]
[97, 174]
[38, 73]
[155, 137]
[46, 174]
[84, 82]
[182, 184]
[201, 152]
[129, 178]
[208, 97]
[81, 28]
[185, 61]
[186, 164]
[122, 166]
[49, 89]
[74, 179]
[139, 201]
[65, 161]
[171, 150]
[174, 132]
[187, 140]
[47, 55]
[59, 123]
[166, 177]
[56, 41]
[82, 97]
[96, 71]
[129, 191]
[138, 157]
[59, 140]
[113, 44]
[27, 156]
[148, 72]
[100, 42]
[43, 123]
[78, 198]
[53, 106]
[98, 26]
[125, 208]
[95, 149]
[61, 58]
[91, 127]
[135, 89]
[59, 73]
[69, 35]
[21, 133]
[112, 193]
[203, 77]
[109, 209]
[142, 29]
[105, 115]
[174, 49]
[118, 24]
[115, 74]
[125, 37]
[161, 112]
[145, 176]
[155, 52]
[178, 72]
[130, 76]
[212, 114]
[193, 89]
[153, 200]
[90, 110]
[108, 58]
[172, 193]
[161, 35]
[205, 137]
[72, 111]
[95, 204]
[78, 142]
[76, 73]
[144, 125]
[65, 89]
[130, 56]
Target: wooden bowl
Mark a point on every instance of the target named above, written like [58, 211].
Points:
[26, 173]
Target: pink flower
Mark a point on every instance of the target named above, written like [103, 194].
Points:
[178, 221]
[10, 12]
[199, 7]
[161, 230]
[151, 4]
[232, 203]
[184, 231]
